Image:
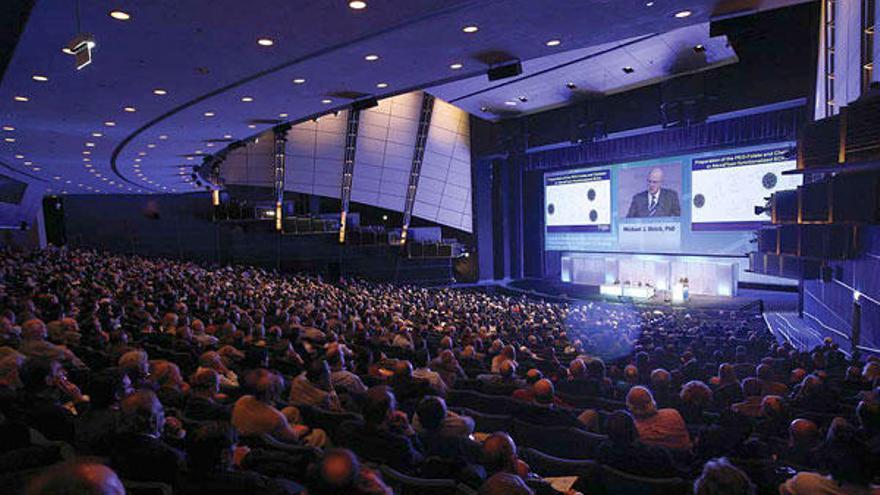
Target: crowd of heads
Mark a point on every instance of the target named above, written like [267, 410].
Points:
[204, 377]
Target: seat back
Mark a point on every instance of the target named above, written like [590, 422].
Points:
[550, 466]
[146, 488]
[619, 483]
[403, 484]
[475, 401]
[487, 423]
[558, 441]
[326, 420]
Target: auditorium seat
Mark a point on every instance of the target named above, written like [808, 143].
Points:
[403, 484]
[326, 420]
[614, 482]
[487, 423]
[477, 401]
[564, 442]
[548, 465]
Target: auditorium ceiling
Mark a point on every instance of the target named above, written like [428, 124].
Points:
[172, 81]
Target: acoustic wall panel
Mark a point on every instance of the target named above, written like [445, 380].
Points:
[251, 165]
[444, 192]
[315, 154]
[385, 143]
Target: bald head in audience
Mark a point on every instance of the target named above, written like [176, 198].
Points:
[77, 478]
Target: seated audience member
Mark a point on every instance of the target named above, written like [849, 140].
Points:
[215, 466]
[339, 472]
[769, 385]
[171, 389]
[202, 404]
[49, 401]
[423, 372]
[527, 394]
[136, 364]
[80, 477]
[255, 414]
[461, 454]
[727, 388]
[505, 380]
[663, 428]
[10, 381]
[35, 344]
[695, 397]
[848, 465]
[662, 390]
[139, 453]
[95, 428]
[508, 353]
[340, 377]
[314, 388]
[869, 426]
[499, 456]
[719, 477]
[774, 419]
[623, 450]
[804, 439]
[385, 435]
[505, 484]
[405, 386]
[545, 411]
[213, 360]
[448, 368]
[751, 406]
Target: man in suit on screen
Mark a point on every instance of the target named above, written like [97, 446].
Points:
[656, 201]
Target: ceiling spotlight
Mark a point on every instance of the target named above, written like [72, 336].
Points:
[682, 14]
[282, 115]
[28, 163]
[87, 152]
[523, 98]
[97, 134]
[299, 80]
[130, 109]
[90, 145]
[110, 123]
[571, 85]
[81, 47]
[510, 103]
[120, 15]
[382, 85]
[227, 136]
[151, 145]
[247, 99]
[8, 128]
[163, 137]
[699, 48]
[209, 114]
[250, 126]
[39, 78]
[21, 98]
[553, 43]
[470, 29]
[357, 5]
[265, 42]
[9, 140]
[456, 66]
[484, 109]
[628, 70]
[371, 57]
[326, 101]
[19, 157]
[649, 4]
[160, 92]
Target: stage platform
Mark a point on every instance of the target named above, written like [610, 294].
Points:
[773, 300]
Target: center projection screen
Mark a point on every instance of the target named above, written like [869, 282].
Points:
[699, 204]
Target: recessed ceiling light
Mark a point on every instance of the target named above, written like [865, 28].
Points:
[247, 99]
[151, 145]
[510, 103]
[326, 101]
[227, 136]
[120, 15]
[683, 13]
[137, 160]
[39, 78]
[9, 140]
[163, 137]
[699, 48]
[87, 159]
[21, 98]
[649, 4]
[209, 114]
[456, 66]
[90, 145]
[553, 43]
[357, 5]
[96, 134]
[382, 85]
[484, 109]
[210, 145]
[110, 123]
[371, 57]
[628, 70]
[250, 126]
[19, 157]
[470, 29]
[523, 98]
[142, 153]
[87, 152]
[282, 115]
[571, 85]
[130, 109]
[28, 163]
[265, 42]
[299, 80]
[36, 169]
[8, 128]
[160, 92]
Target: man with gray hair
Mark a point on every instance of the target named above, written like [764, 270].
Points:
[656, 200]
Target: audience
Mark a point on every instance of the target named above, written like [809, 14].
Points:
[182, 335]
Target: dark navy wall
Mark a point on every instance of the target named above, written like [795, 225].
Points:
[830, 304]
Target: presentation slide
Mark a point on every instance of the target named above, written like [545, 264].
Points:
[578, 202]
[696, 204]
[726, 188]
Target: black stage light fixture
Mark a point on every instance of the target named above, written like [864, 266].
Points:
[504, 70]
[760, 210]
[365, 103]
